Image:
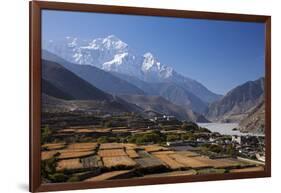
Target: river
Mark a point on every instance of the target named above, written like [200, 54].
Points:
[225, 128]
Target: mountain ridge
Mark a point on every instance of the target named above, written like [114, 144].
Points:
[238, 102]
[70, 83]
[113, 55]
[97, 77]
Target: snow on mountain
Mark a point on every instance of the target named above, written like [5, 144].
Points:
[113, 55]
[154, 70]
[110, 54]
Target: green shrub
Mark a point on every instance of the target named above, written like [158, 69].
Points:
[189, 126]
[204, 130]
[188, 136]
[216, 148]
[48, 167]
[230, 150]
[58, 177]
[46, 134]
[153, 137]
[172, 137]
[106, 139]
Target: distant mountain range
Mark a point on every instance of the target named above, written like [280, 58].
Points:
[113, 55]
[116, 84]
[171, 91]
[105, 74]
[237, 103]
[65, 91]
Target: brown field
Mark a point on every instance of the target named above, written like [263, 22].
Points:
[110, 175]
[69, 164]
[188, 153]
[47, 154]
[82, 146]
[111, 146]
[92, 162]
[162, 152]
[144, 154]
[149, 163]
[77, 163]
[220, 163]
[71, 154]
[85, 131]
[130, 145]
[112, 152]
[53, 146]
[132, 153]
[121, 130]
[250, 169]
[66, 154]
[189, 161]
[143, 161]
[174, 173]
[153, 148]
[66, 130]
[103, 130]
[170, 162]
[74, 150]
[120, 161]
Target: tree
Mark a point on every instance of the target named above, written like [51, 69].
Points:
[216, 148]
[172, 137]
[189, 126]
[48, 167]
[46, 134]
[153, 137]
[103, 139]
[58, 177]
[106, 139]
[188, 136]
[230, 150]
[108, 124]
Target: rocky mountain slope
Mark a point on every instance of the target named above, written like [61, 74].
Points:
[255, 121]
[65, 88]
[171, 91]
[162, 106]
[238, 102]
[65, 91]
[71, 84]
[97, 77]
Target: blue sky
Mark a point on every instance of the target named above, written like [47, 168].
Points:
[219, 54]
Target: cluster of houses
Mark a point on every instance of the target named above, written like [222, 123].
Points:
[250, 146]
[163, 118]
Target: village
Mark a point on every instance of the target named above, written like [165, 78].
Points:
[107, 147]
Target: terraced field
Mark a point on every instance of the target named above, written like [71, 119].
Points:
[108, 161]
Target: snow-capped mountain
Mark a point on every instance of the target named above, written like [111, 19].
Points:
[91, 52]
[110, 54]
[113, 55]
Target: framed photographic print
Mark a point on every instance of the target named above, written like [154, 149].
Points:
[123, 96]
